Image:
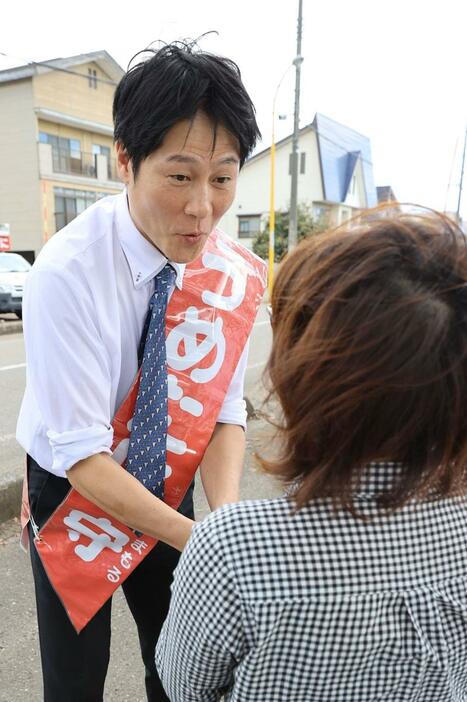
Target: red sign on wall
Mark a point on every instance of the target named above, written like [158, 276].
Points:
[5, 242]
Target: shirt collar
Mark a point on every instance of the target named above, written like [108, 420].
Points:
[375, 478]
[379, 477]
[144, 260]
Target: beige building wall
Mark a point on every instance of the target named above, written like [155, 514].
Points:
[48, 201]
[27, 180]
[20, 204]
[72, 95]
[86, 139]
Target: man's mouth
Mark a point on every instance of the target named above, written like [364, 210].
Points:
[192, 237]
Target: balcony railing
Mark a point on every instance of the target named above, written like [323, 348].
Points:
[79, 163]
[112, 170]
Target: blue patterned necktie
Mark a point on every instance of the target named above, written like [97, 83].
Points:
[147, 449]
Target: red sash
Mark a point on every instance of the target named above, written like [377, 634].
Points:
[87, 554]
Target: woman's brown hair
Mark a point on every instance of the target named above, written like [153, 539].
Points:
[369, 358]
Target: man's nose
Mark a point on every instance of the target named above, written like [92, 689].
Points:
[199, 204]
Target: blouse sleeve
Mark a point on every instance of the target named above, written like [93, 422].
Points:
[202, 639]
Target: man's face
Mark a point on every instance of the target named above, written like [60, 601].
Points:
[183, 188]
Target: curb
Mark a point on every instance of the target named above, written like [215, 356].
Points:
[10, 327]
[11, 491]
[10, 499]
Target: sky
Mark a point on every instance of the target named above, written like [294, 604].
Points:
[393, 71]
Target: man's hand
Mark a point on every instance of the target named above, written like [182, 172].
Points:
[103, 481]
[222, 465]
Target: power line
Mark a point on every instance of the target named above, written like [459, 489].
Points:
[52, 67]
[49, 65]
[322, 136]
[339, 146]
[46, 64]
[450, 174]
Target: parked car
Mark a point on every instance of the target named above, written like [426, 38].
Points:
[13, 271]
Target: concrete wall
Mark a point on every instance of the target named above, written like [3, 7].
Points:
[20, 203]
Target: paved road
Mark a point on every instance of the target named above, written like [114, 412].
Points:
[19, 660]
[12, 378]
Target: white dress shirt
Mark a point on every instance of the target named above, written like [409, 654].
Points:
[84, 307]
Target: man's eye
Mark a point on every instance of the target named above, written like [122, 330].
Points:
[223, 179]
[179, 177]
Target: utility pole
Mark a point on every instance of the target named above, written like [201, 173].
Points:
[462, 179]
[294, 162]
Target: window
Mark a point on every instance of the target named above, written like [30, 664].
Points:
[75, 148]
[92, 78]
[99, 150]
[322, 214]
[66, 153]
[302, 162]
[249, 226]
[346, 214]
[70, 203]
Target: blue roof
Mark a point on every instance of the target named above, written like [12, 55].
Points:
[339, 150]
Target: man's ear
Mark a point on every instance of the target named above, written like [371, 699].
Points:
[123, 163]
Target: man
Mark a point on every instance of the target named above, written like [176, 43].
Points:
[184, 125]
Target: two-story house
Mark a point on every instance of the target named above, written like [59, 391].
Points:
[335, 179]
[56, 144]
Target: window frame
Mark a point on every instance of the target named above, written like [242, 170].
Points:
[92, 78]
[248, 219]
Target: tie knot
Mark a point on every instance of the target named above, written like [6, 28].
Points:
[164, 281]
[167, 275]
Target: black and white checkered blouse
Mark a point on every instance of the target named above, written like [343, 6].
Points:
[269, 607]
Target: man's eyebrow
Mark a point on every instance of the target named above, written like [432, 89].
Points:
[181, 158]
[229, 159]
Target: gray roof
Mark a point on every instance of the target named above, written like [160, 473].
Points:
[340, 149]
[104, 60]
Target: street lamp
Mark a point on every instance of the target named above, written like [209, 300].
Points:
[272, 194]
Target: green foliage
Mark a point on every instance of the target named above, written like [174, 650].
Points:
[306, 226]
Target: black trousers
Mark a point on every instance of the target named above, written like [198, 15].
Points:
[74, 665]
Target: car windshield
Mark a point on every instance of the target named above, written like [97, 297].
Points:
[13, 263]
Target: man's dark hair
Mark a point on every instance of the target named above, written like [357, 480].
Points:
[172, 85]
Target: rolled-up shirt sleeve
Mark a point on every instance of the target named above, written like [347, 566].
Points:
[68, 366]
[233, 410]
